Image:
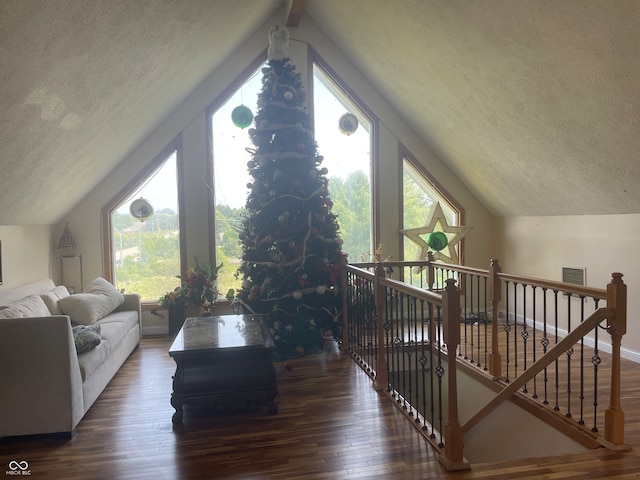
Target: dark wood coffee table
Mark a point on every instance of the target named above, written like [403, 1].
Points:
[226, 359]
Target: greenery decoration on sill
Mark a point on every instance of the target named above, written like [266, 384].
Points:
[199, 288]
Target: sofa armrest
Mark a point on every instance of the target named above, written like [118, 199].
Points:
[131, 302]
[41, 382]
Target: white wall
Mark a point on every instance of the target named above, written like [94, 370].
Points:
[28, 254]
[541, 246]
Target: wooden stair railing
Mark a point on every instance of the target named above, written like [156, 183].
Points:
[559, 349]
[447, 300]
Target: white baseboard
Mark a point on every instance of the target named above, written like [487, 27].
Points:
[152, 331]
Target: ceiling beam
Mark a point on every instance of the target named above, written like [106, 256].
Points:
[294, 10]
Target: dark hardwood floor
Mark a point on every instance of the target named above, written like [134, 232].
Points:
[331, 424]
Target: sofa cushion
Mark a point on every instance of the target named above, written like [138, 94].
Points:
[30, 306]
[86, 337]
[89, 361]
[98, 300]
[116, 326]
[52, 296]
[113, 329]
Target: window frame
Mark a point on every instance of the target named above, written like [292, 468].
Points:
[405, 154]
[209, 111]
[149, 169]
[314, 58]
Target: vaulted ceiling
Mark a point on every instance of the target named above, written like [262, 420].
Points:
[534, 105]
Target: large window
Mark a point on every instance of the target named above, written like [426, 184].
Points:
[231, 176]
[348, 159]
[146, 254]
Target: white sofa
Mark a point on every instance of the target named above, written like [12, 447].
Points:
[46, 386]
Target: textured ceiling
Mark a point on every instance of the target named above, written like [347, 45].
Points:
[534, 105]
[83, 82]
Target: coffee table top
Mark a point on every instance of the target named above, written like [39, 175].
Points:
[221, 332]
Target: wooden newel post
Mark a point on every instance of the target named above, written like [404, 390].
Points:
[382, 376]
[495, 294]
[452, 456]
[617, 327]
[344, 284]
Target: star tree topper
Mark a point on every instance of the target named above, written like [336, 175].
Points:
[453, 233]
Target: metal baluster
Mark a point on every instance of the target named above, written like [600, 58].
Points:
[515, 330]
[374, 328]
[466, 321]
[394, 378]
[507, 329]
[486, 325]
[569, 354]
[388, 333]
[533, 341]
[545, 343]
[440, 372]
[424, 362]
[525, 332]
[478, 316]
[557, 384]
[403, 381]
[581, 421]
[595, 360]
[370, 305]
[431, 379]
[413, 347]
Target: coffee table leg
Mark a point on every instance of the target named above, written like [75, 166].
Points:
[178, 405]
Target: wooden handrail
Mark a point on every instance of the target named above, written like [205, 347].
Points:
[560, 348]
[407, 289]
[559, 286]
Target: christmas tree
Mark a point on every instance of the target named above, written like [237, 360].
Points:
[292, 255]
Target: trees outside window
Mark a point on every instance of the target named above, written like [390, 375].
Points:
[348, 160]
[146, 255]
[231, 176]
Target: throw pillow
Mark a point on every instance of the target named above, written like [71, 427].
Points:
[29, 306]
[99, 299]
[86, 337]
[52, 296]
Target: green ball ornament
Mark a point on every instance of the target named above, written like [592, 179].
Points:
[242, 116]
[437, 240]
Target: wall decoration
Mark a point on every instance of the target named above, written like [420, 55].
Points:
[438, 236]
